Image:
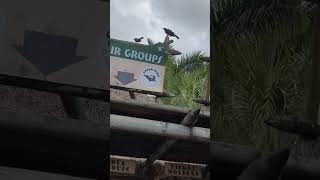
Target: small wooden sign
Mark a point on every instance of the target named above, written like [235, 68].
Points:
[182, 170]
[137, 66]
[122, 166]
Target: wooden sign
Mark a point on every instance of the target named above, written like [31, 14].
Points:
[57, 41]
[182, 170]
[137, 66]
[122, 166]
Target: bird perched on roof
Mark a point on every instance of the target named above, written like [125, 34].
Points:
[138, 39]
[170, 33]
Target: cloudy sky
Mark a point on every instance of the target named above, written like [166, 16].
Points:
[189, 19]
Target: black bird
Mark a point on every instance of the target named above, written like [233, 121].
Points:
[170, 33]
[138, 39]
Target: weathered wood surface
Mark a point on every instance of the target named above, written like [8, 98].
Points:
[158, 94]
[52, 87]
[153, 111]
[158, 128]
[7, 173]
[202, 101]
[142, 145]
[44, 143]
[60, 128]
[160, 167]
[228, 161]
[189, 120]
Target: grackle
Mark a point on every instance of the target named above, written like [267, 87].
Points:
[138, 39]
[170, 33]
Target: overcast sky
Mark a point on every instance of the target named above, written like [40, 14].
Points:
[189, 19]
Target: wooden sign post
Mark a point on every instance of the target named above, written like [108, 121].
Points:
[137, 66]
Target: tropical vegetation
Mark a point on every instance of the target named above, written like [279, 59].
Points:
[186, 78]
[260, 54]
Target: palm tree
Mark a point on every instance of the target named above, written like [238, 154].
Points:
[184, 77]
[260, 51]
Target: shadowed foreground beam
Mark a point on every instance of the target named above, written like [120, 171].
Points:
[228, 161]
[44, 143]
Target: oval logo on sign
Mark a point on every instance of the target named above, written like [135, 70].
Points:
[150, 77]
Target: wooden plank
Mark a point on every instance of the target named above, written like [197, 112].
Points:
[187, 121]
[158, 128]
[45, 143]
[155, 111]
[68, 47]
[16, 173]
[228, 161]
[158, 94]
[98, 94]
[29, 122]
[182, 151]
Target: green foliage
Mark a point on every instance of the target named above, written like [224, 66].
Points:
[260, 53]
[185, 78]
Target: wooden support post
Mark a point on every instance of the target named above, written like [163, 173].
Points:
[189, 120]
[204, 102]
[132, 95]
[72, 107]
[208, 85]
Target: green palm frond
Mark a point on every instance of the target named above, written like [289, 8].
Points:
[260, 52]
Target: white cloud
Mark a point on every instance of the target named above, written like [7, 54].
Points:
[189, 19]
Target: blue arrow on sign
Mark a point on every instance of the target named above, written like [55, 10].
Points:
[125, 77]
[49, 53]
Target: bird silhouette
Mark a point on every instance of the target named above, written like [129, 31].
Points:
[151, 77]
[138, 39]
[170, 33]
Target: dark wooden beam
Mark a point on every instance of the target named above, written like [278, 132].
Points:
[202, 101]
[155, 111]
[189, 120]
[93, 93]
[229, 160]
[44, 143]
[158, 94]
[206, 59]
[132, 95]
